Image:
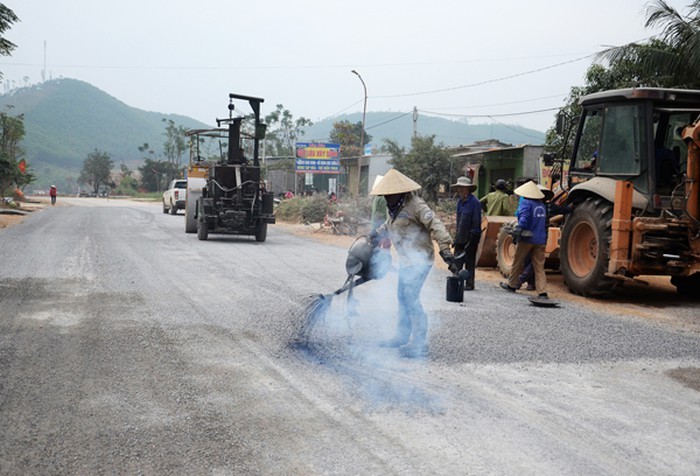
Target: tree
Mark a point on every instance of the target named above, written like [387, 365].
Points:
[127, 183]
[426, 163]
[152, 174]
[11, 134]
[153, 170]
[7, 18]
[174, 147]
[672, 59]
[348, 136]
[598, 78]
[97, 170]
[283, 131]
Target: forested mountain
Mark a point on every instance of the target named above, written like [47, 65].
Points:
[66, 119]
[398, 126]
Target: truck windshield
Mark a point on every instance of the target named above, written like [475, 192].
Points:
[181, 184]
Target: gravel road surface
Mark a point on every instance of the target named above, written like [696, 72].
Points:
[130, 347]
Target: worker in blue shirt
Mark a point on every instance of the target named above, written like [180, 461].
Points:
[530, 238]
[468, 230]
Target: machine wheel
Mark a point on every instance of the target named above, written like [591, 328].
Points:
[687, 285]
[505, 249]
[261, 232]
[173, 209]
[202, 229]
[165, 209]
[190, 220]
[585, 248]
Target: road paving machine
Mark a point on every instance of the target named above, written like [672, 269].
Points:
[225, 193]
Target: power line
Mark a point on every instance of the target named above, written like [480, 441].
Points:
[503, 103]
[287, 67]
[513, 129]
[345, 109]
[467, 116]
[388, 120]
[488, 81]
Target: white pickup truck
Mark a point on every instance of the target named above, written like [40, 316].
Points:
[175, 196]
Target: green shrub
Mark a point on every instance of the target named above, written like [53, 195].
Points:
[290, 210]
[315, 208]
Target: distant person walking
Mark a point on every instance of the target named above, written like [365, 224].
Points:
[52, 193]
[497, 203]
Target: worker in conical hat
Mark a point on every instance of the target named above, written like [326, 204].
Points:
[411, 226]
[530, 238]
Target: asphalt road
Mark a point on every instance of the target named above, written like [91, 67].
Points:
[130, 347]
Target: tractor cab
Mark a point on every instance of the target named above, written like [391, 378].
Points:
[635, 135]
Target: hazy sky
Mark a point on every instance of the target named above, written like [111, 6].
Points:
[455, 58]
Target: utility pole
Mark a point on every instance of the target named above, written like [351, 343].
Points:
[43, 71]
[415, 121]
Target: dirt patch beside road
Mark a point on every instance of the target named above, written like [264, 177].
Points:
[8, 218]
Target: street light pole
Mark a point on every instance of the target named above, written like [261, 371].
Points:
[362, 132]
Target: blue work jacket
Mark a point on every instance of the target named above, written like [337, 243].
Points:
[468, 220]
[532, 217]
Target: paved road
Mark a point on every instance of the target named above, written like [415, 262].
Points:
[128, 346]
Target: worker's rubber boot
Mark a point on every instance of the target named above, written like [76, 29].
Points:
[414, 350]
[397, 341]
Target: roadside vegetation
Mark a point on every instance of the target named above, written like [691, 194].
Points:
[669, 59]
[316, 208]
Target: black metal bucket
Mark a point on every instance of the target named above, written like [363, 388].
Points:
[455, 289]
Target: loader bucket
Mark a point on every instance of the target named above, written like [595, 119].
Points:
[486, 253]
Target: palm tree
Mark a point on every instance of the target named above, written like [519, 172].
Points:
[7, 18]
[672, 58]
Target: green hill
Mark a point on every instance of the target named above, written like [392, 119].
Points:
[399, 127]
[66, 119]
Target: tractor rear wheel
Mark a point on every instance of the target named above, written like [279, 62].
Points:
[505, 249]
[585, 248]
[261, 232]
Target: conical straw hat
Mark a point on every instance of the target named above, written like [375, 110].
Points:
[377, 179]
[394, 182]
[529, 190]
